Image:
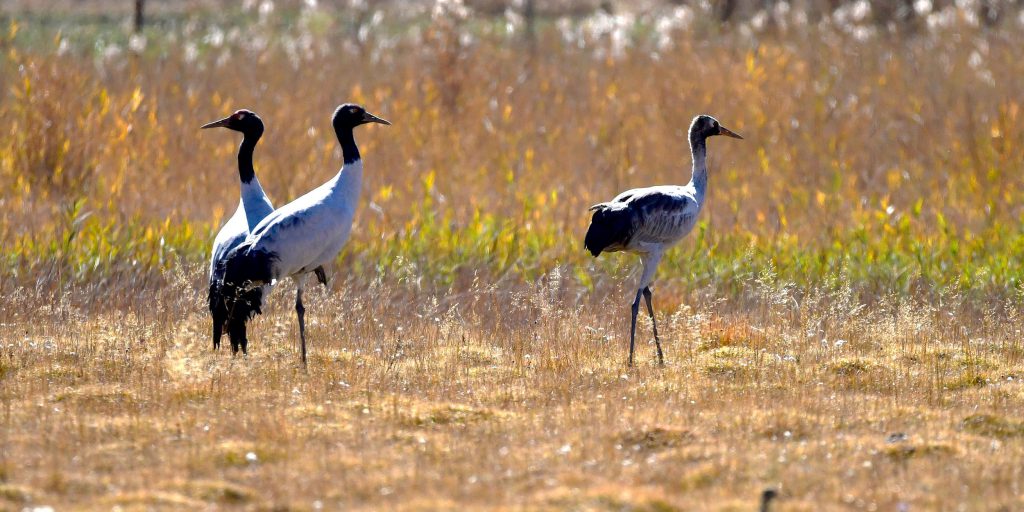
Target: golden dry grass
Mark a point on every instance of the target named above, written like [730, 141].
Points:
[844, 326]
[504, 399]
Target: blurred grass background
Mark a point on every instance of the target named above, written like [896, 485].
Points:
[883, 147]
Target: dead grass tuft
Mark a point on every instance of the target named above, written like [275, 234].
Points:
[607, 500]
[450, 415]
[15, 493]
[654, 438]
[907, 451]
[966, 381]
[151, 500]
[219, 491]
[99, 395]
[242, 454]
[851, 366]
[704, 475]
[992, 425]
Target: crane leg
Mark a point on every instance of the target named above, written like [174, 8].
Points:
[650, 264]
[218, 330]
[300, 311]
[238, 337]
[654, 325]
[321, 275]
[632, 327]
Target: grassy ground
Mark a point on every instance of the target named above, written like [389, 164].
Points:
[842, 326]
[514, 397]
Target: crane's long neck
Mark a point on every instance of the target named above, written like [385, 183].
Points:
[246, 172]
[348, 145]
[349, 180]
[699, 150]
[254, 200]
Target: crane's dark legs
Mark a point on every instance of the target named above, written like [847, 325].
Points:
[218, 329]
[301, 312]
[321, 275]
[234, 342]
[236, 331]
[219, 313]
[632, 327]
[650, 263]
[654, 325]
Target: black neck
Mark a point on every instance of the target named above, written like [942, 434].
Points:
[245, 169]
[349, 150]
[696, 140]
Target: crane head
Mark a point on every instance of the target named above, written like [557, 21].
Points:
[243, 120]
[704, 126]
[350, 115]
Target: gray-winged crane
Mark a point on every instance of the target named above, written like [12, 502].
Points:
[648, 221]
[302, 235]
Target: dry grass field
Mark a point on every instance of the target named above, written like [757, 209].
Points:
[843, 326]
[513, 398]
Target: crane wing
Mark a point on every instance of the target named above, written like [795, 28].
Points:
[664, 215]
[654, 215]
[299, 233]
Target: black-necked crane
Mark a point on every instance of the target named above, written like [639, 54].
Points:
[648, 221]
[299, 237]
[253, 207]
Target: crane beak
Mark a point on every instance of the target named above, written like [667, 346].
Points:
[370, 118]
[216, 124]
[728, 133]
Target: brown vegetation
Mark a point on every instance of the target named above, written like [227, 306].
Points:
[843, 327]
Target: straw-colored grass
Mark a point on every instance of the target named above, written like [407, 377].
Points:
[842, 326]
[412, 403]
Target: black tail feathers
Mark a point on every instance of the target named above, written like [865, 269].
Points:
[610, 229]
[242, 306]
[244, 272]
[244, 264]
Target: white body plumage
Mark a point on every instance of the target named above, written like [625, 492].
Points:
[311, 230]
[253, 207]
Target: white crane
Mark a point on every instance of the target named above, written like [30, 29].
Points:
[648, 221]
[253, 206]
[300, 236]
